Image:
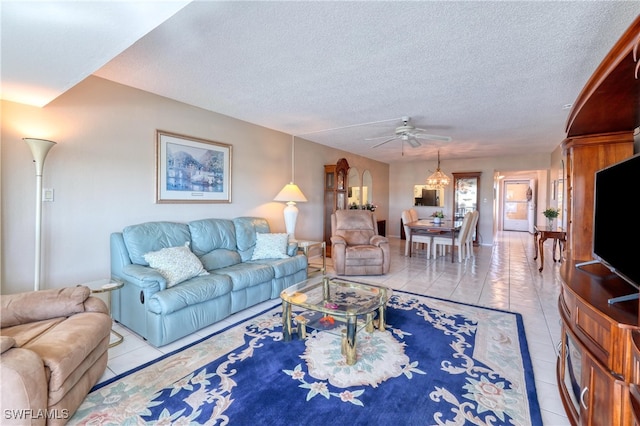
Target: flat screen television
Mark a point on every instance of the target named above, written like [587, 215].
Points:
[616, 223]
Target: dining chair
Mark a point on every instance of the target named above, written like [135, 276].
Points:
[414, 215]
[416, 238]
[459, 240]
[469, 241]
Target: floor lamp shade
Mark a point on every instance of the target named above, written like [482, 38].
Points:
[291, 194]
[39, 148]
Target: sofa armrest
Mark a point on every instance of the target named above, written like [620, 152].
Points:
[22, 308]
[338, 240]
[377, 240]
[94, 304]
[23, 387]
[292, 248]
[143, 276]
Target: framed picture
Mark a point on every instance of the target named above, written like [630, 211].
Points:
[192, 170]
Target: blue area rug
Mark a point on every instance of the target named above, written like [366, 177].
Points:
[438, 362]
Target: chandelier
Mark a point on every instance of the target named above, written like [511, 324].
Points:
[438, 179]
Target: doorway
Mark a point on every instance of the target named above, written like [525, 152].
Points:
[517, 205]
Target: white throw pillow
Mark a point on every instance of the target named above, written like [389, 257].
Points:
[270, 246]
[175, 264]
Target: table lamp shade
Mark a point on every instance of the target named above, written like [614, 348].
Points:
[291, 194]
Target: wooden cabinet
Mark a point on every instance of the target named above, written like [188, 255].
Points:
[600, 130]
[584, 155]
[598, 370]
[593, 391]
[634, 387]
[335, 194]
[595, 363]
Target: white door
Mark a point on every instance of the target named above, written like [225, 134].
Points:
[517, 197]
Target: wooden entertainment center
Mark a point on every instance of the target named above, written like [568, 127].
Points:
[598, 369]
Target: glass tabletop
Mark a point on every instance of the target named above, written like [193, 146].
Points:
[336, 296]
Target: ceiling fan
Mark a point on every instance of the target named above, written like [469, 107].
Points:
[410, 134]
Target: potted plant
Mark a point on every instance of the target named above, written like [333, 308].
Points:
[370, 207]
[437, 216]
[551, 214]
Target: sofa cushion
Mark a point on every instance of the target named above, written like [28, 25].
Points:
[191, 292]
[246, 229]
[285, 267]
[153, 236]
[220, 258]
[270, 246]
[247, 274]
[175, 264]
[25, 333]
[211, 234]
[354, 226]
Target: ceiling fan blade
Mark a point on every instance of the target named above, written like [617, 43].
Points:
[432, 137]
[413, 142]
[382, 143]
[378, 137]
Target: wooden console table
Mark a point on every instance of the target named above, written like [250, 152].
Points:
[540, 235]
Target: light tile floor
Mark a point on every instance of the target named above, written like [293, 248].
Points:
[504, 276]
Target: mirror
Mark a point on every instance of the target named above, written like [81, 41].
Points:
[367, 187]
[466, 191]
[423, 196]
[353, 193]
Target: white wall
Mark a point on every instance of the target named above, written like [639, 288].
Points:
[103, 174]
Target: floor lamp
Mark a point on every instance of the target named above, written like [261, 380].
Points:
[39, 149]
[291, 194]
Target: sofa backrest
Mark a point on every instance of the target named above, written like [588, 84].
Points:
[214, 242]
[246, 229]
[355, 226]
[153, 236]
[217, 242]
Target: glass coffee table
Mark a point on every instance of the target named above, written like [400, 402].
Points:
[336, 305]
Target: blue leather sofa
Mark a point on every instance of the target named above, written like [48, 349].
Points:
[162, 314]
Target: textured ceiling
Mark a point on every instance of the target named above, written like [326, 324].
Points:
[494, 76]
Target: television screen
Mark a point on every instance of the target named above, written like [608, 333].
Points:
[616, 224]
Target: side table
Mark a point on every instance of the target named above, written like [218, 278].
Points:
[540, 235]
[107, 286]
[305, 246]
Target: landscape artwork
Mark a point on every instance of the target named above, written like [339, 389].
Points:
[192, 170]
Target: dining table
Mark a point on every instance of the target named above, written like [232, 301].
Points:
[431, 228]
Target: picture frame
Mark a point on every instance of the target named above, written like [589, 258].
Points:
[192, 170]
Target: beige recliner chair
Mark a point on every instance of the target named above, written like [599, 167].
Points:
[356, 247]
[54, 347]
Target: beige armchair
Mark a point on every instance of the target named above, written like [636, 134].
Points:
[54, 350]
[356, 247]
